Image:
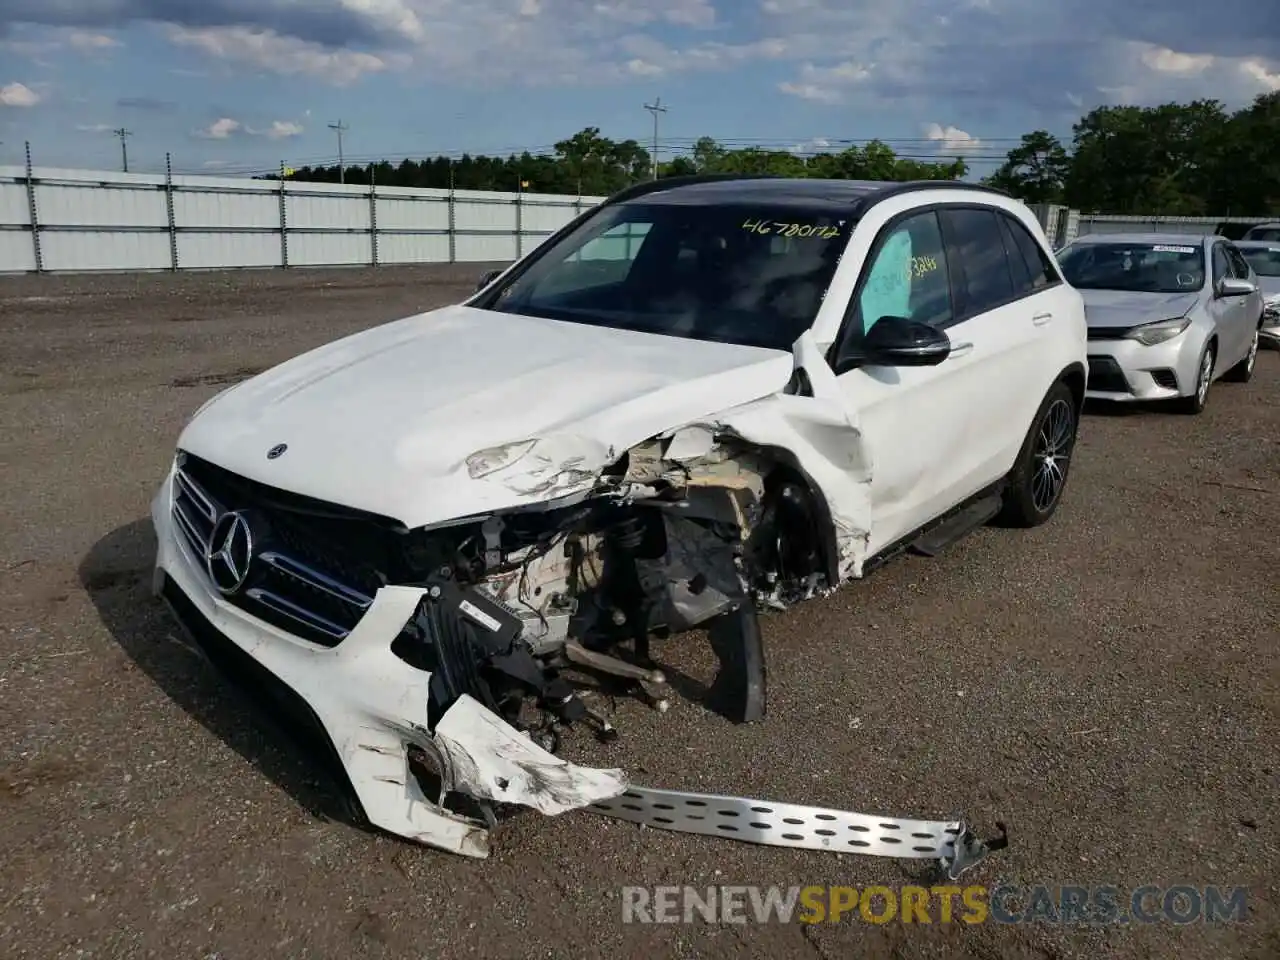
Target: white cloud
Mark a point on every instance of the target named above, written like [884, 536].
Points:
[18, 95]
[951, 139]
[268, 50]
[94, 127]
[1164, 60]
[281, 130]
[90, 42]
[221, 129]
[225, 128]
[1257, 71]
[828, 84]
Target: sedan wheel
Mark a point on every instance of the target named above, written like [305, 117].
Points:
[1204, 378]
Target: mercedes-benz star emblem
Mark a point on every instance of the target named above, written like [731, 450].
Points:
[229, 553]
[277, 450]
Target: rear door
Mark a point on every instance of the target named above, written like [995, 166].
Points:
[1228, 312]
[1251, 306]
[1005, 310]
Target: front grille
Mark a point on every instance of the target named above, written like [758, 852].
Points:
[299, 580]
[1165, 378]
[1271, 314]
[1106, 376]
[1108, 333]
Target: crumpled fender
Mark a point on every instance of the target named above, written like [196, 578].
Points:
[822, 432]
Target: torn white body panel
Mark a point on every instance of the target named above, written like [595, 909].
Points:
[373, 708]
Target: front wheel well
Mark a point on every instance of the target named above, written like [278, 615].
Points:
[1075, 380]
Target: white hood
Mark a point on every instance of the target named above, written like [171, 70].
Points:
[384, 420]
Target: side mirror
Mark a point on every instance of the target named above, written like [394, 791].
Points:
[898, 342]
[1235, 287]
[487, 278]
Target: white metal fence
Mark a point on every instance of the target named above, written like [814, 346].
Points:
[54, 220]
[1097, 223]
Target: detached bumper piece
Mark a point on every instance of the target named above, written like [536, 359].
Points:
[808, 828]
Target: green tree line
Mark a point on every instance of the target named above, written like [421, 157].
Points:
[1174, 159]
[592, 165]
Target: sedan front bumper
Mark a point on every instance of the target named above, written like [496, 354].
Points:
[1126, 370]
[370, 708]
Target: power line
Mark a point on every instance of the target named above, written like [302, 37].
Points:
[655, 108]
[340, 128]
[124, 135]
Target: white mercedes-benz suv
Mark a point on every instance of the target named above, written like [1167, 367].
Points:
[704, 398]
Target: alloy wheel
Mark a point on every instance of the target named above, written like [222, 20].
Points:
[1205, 377]
[1052, 455]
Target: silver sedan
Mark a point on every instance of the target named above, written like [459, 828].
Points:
[1264, 257]
[1168, 314]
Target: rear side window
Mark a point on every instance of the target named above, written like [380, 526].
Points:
[1033, 256]
[974, 241]
[1018, 269]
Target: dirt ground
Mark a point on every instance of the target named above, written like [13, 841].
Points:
[1107, 685]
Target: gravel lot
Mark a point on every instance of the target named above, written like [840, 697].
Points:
[1107, 685]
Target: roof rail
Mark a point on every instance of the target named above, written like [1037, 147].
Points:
[912, 186]
[667, 183]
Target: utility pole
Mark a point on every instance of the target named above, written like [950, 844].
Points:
[340, 128]
[655, 108]
[123, 134]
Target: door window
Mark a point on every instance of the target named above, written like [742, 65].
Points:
[1032, 254]
[1018, 269]
[974, 240]
[907, 276]
[1239, 267]
[1221, 266]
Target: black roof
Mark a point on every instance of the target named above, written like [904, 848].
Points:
[844, 196]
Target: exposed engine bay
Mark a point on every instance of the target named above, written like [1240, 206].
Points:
[682, 532]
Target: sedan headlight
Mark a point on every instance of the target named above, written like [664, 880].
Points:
[492, 459]
[1149, 334]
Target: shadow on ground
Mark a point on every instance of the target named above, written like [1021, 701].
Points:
[116, 574]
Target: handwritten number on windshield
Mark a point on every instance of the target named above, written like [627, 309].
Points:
[800, 230]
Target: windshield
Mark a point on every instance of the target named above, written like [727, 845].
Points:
[739, 274]
[1266, 234]
[1264, 260]
[1137, 267]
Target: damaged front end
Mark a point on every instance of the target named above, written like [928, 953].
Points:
[444, 663]
[687, 531]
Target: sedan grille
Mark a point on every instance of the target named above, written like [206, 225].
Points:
[1108, 333]
[288, 573]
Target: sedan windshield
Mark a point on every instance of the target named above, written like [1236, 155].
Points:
[739, 274]
[1264, 260]
[1137, 267]
[1265, 234]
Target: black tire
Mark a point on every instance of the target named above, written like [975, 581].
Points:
[1242, 372]
[1199, 399]
[1035, 485]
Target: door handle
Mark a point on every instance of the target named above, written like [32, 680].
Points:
[1040, 319]
[959, 350]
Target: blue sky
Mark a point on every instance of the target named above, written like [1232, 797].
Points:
[240, 85]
